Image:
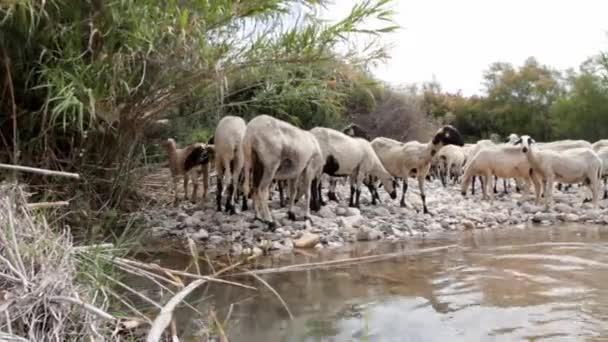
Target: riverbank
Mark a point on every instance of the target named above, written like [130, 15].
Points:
[336, 225]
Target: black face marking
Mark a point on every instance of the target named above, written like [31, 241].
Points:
[211, 139]
[433, 152]
[448, 135]
[331, 166]
[199, 156]
[524, 150]
[518, 141]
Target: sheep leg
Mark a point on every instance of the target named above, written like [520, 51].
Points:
[315, 194]
[505, 185]
[281, 194]
[402, 202]
[194, 189]
[229, 205]
[264, 187]
[351, 199]
[319, 194]
[548, 192]
[205, 180]
[331, 194]
[220, 189]
[292, 183]
[605, 189]
[186, 179]
[425, 210]
[473, 186]
[175, 196]
[495, 184]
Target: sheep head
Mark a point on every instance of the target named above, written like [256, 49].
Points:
[448, 135]
[526, 141]
[200, 154]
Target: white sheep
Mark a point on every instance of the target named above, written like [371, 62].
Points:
[499, 160]
[470, 151]
[353, 157]
[573, 165]
[451, 161]
[187, 162]
[275, 149]
[600, 144]
[602, 152]
[228, 136]
[414, 158]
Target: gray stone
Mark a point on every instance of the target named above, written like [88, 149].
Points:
[341, 211]
[353, 212]
[381, 211]
[226, 227]
[202, 234]
[326, 212]
[216, 239]
[182, 216]
[563, 208]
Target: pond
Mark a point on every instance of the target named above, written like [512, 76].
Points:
[537, 283]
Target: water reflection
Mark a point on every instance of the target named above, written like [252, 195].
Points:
[541, 283]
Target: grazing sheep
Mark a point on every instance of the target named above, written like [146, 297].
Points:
[189, 161]
[275, 149]
[602, 152]
[229, 159]
[471, 151]
[414, 158]
[573, 165]
[353, 157]
[451, 160]
[502, 161]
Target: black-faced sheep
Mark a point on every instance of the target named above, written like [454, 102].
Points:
[190, 161]
[572, 165]
[275, 149]
[353, 157]
[414, 158]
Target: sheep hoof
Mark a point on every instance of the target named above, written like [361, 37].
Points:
[402, 205]
[291, 216]
[272, 226]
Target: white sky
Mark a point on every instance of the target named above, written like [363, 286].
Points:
[456, 40]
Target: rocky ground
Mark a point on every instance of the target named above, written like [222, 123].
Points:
[336, 224]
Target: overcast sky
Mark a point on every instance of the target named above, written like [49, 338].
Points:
[456, 40]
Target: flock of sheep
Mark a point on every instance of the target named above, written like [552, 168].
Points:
[250, 157]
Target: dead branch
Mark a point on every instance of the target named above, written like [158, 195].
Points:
[97, 311]
[45, 205]
[39, 171]
[166, 313]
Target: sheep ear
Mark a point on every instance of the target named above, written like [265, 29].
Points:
[518, 141]
[532, 141]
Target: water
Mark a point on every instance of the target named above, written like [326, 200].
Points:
[539, 283]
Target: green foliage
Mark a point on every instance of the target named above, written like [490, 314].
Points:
[90, 77]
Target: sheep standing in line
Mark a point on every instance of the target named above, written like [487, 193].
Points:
[451, 161]
[602, 152]
[471, 151]
[502, 161]
[353, 157]
[414, 158]
[187, 162]
[570, 166]
[228, 136]
[275, 149]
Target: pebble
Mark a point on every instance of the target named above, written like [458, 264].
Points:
[337, 224]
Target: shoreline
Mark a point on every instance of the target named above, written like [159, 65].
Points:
[337, 225]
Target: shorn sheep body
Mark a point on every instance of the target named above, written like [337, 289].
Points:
[352, 157]
[575, 165]
[451, 161]
[228, 137]
[275, 149]
[190, 161]
[414, 158]
[602, 152]
[502, 161]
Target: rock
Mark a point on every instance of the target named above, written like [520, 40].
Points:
[542, 216]
[353, 221]
[467, 225]
[192, 222]
[563, 208]
[216, 239]
[345, 224]
[368, 234]
[571, 218]
[202, 234]
[529, 208]
[326, 213]
[181, 217]
[256, 251]
[218, 217]
[307, 240]
[381, 211]
[226, 227]
[199, 214]
[288, 243]
[353, 212]
[341, 211]
[237, 249]
[276, 245]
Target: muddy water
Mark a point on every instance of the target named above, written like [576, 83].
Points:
[538, 283]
